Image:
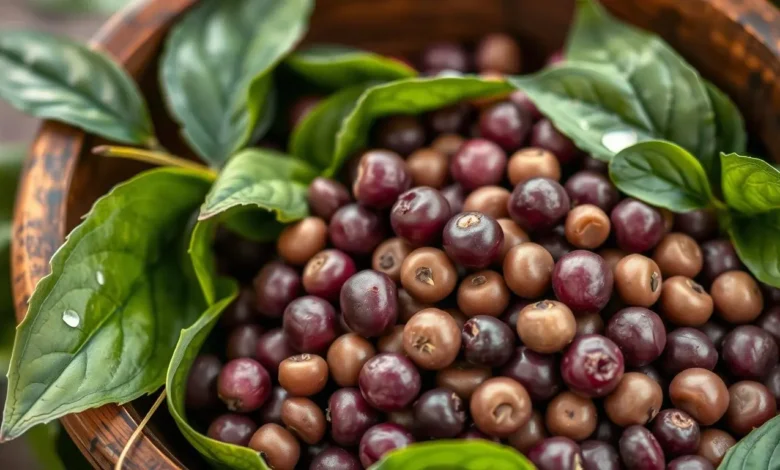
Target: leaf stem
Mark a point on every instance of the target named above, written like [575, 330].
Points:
[148, 156]
[121, 461]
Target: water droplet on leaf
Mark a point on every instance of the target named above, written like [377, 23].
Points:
[619, 139]
[101, 279]
[71, 318]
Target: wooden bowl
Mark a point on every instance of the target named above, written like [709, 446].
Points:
[734, 43]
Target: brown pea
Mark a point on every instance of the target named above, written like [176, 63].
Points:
[428, 275]
[500, 406]
[346, 357]
[700, 393]
[571, 416]
[533, 162]
[483, 293]
[429, 167]
[636, 400]
[613, 256]
[678, 254]
[513, 236]
[587, 226]
[448, 144]
[668, 217]
[303, 375]
[462, 378]
[638, 280]
[528, 270]
[590, 324]
[389, 256]
[713, 445]
[547, 326]
[498, 52]
[490, 200]
[299, 242]
[432, 339]
[392, 342]
[408, 305]
[751, 404]
[737, 297]
[530, 434]
[684, 302]
[277, 446]
[304, 419]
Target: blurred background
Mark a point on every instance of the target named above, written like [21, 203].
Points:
[44, 447]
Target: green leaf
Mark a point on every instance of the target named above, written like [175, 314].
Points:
[758, 246]
[730, 136]
[336, 67]
[750, 185]
[11, 157]
[102, 326]
[42, 441]
[54, 78]
[758, 450]
[454, 455]
[408, 96]
[662, 174]
[80, 6]
[216, 68]
[219, 454]
[670, 91]
[314, 139]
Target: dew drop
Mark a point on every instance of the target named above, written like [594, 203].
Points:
[71, 318]
[100, 278]
[617, 140]
[584, 125]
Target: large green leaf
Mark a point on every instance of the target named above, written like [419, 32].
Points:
[54, 78]
[758, 245]
[750, 185]
[102, 326]
[219, 454]
[671, 92]
[759, 450]
[730, 135]
[11, 157]
[80, 6]
[408, 96]
[662, 174]
[454, 455]
[216, 68]
[337, 67]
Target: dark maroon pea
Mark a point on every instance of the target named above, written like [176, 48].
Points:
[419, 215]
[452, 119]
[369, 303]
[244, 385]
[607, 431]
[590, 163]
[583, 281]
[276, 285]
[640, 450]
[335, 458]
[506, 124]
[538, 373]
[771, 294]
[538, 203]
[637, 226]
[487, 341]
[478, 162]
[232, 429]
[772, 382]
[510, 314]
[400, 134]
[588, 187]
[272, 348]
[598, 455]
[241, 311]
[701, 224]
[326, 272]
[769, 321]
[389, 382]
[382, 177]
[381, 439]
[350, 416]
[715, 332]
[326, 196]
[592, 366]
[690, 462]
[473, 239]
[749, 352]
[439, 414]
[521, 100]
[556, 243]
[444, 56]
[201, 391]
[355, 229]
[271, 411]
[545, 135]
[455, 196]
[676, 431]
[242, 341]
[556, 453]
[310, 324]
[687, 348]
[719, 256]
[639, 333]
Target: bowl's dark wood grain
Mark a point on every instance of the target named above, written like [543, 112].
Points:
[735, 43]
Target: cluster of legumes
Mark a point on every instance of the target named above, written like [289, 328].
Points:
[483, 279]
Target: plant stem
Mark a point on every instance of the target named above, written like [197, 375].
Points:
[120, 463]
[148, 156]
